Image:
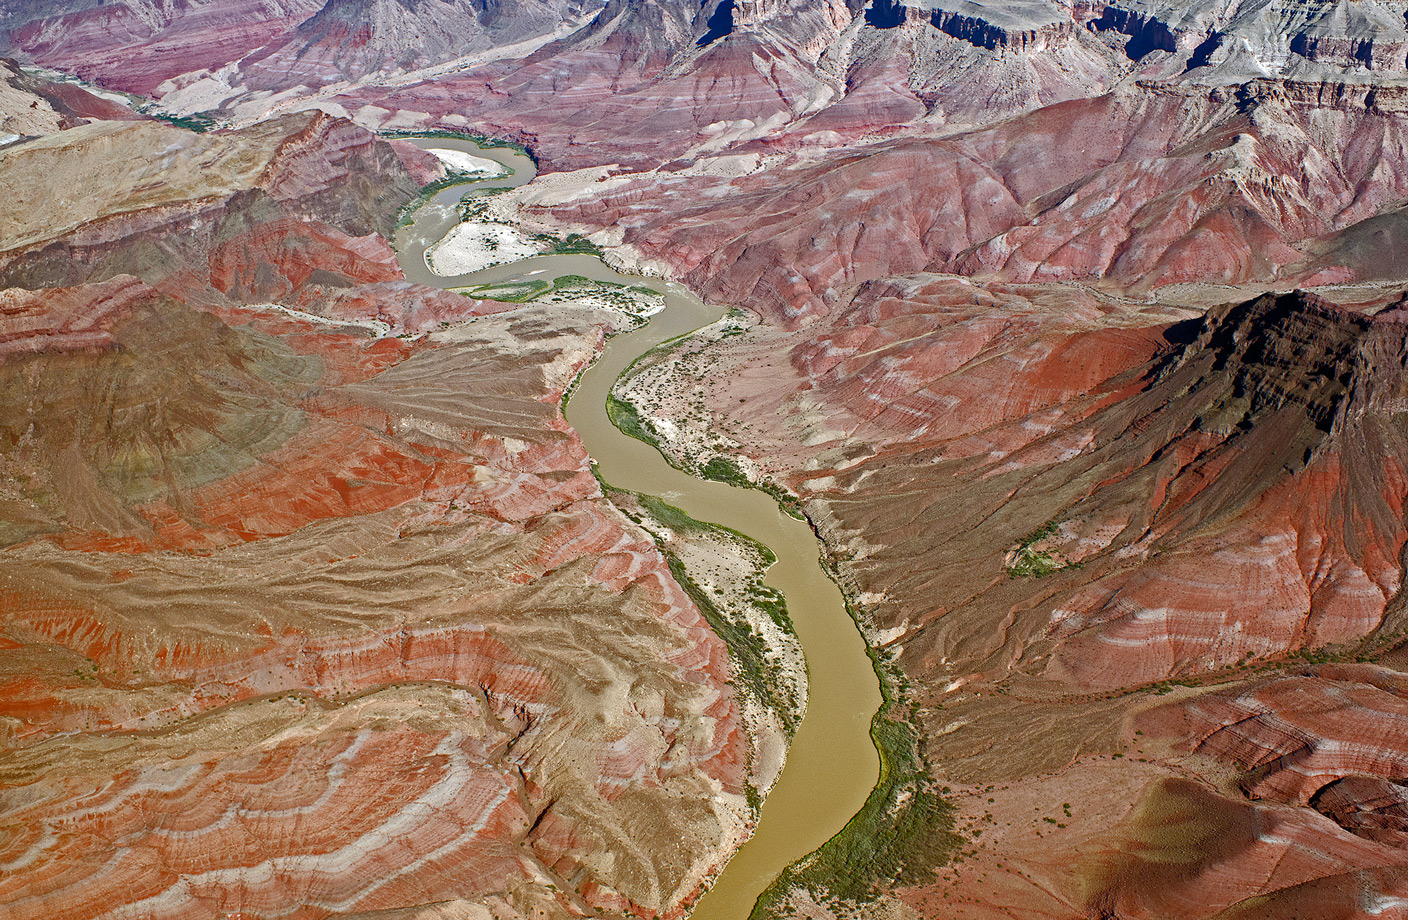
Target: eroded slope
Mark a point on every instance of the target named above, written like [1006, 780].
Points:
[308, 611]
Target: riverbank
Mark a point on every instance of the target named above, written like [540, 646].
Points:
[833, 764]
[724, 571]
[905, 826]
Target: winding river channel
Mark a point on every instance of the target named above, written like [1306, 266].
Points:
[832, 764]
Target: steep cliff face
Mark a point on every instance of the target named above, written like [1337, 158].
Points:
[847, 70]
[1004, 28]
[834, 64]
[1280, 523]
[1146, 33]
[1273, 39]
[309, 612]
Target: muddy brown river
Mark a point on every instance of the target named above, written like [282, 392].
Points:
[832, 764]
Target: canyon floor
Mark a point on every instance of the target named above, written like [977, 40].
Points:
[1077, 332]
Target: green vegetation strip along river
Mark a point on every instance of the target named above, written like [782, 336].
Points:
[832, 764]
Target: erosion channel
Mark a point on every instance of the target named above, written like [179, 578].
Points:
[832, 764]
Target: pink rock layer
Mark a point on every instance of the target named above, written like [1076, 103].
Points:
[1146, 187]
[135, 48]
[1308, 739]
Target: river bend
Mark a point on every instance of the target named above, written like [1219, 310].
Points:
[832, 764]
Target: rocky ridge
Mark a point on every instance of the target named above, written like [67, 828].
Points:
[34, 106]
[352, 39]
[836, 67]
[136, 45]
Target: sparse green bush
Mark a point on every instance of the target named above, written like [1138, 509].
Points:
[902, 834]
[1031, 563]
[199, 122]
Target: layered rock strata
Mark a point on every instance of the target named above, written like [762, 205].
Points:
[353, 39]
[1103, 505]
[833, 67]
[1032, 206]
[313, 606]
[32, 106]
[138, 46]
[997, 27]
[1041, 516]
[1053, 490]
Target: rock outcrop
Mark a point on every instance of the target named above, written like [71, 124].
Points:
[1054, 486]
[1146, 33]
[347, 40]
[845, 71]
[1032, 204]
[1236, 498]
[31, 106]
[1329, 737]
[1046, 498]
[1026, 30]
[1291, 418]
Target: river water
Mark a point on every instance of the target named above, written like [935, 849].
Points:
[832, 764]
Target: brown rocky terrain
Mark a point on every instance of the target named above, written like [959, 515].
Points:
[1056, 507]
[1054, 500]
[312, 605]
[1079, 339]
